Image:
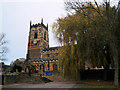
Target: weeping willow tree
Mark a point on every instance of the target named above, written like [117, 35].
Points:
[90, 33]
[82, 39]
[66, 30]
[107, 21]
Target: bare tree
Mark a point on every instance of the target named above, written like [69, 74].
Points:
[3, 49]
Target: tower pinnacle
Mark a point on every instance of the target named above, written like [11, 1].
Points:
[30, 23]
[47, 26]
[42, 21]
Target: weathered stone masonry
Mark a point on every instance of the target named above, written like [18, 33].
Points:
[39, 54]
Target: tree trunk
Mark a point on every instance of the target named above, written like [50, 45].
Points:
[116, 78]
[116, 66]
[29, 72]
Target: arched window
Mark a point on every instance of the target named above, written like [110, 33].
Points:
[45, 36]
[35, 35]
[48, 65]
[31, 42]
[42, 67]
[54, 67]
[48, 55]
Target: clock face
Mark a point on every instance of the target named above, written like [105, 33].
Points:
[35, 42]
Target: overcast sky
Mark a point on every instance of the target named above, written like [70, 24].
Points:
[15, 16]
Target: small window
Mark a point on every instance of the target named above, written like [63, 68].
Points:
[35, 35]
[31, 42]
[45, 36]
[48, 66]
[48, 55]
[56, 54]
[35, 44]
[38, 41]
[54, 67]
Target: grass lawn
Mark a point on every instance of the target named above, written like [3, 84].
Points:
[35, 74]
[96, 85]
[14, 73]
[96, 88]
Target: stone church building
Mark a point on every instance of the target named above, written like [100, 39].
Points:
[39, 54]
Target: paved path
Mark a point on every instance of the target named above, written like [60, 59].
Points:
[66, 85]
[0, 87]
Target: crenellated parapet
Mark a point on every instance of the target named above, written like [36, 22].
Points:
[38, 25]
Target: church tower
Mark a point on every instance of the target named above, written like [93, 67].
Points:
[38, 40]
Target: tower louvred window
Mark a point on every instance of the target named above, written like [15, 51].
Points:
[45, 36]
[35, 35]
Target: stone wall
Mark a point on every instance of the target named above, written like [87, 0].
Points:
[9, 79]
[22, 78]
